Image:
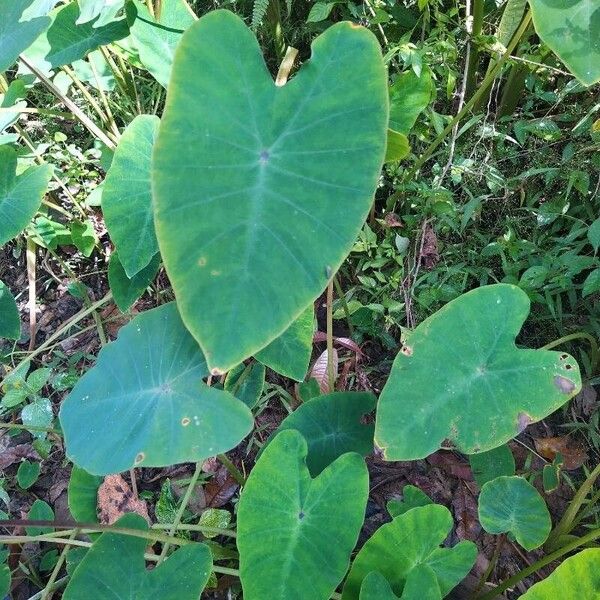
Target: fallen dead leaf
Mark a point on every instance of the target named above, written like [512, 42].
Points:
[392, 220]
[451, 464]
[321, 336]
[220, 489]
[572, 453]
[319, 371]
[10, 455]
[115, 498]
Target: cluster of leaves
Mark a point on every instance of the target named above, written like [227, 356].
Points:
[252, 194]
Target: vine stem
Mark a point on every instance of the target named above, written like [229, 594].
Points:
[342, 297]
[546, 560]
[181, 509]
[48, 589]
[485, 84]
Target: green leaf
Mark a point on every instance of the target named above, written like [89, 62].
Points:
[376, 587]
[332, 425]
[591, 285]
[411, 540]
[289, 354]
[215, 517]
[413, 497]
[276, 181]
[82, 495]
[127, 196]
[421, 584]
[20, 196]
[307, 390]
[397, 146]
[513, 505]
[105, 10]
[114, 567]
[144, 402]
[126, 291]
[4, 580]
[16, 91]
[40, 511]
[66, 42]
[10, 322]
[460, 379]
[246, 383]
[287, 520]
[38, 414]
[593, 234]
[17, 36]
[409, 97]
[512, 15]
[319, 11]
[571, 28]
[578, 577]
[84, 237]
[491, 464]
[27, 474]
[156, 40]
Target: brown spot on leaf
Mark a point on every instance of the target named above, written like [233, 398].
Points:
[407, 350]
[185, 421]
[566, 386]
[523, 421]
[202, 261]
[139, 458]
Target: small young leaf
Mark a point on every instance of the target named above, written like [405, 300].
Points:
[28, 474]
[591, 285]
[409, 96]
[577, 578]
[114, 567]
[215, 517]
[593, 234]
[412, 539]
[125, 290]
[289, 354]
[412, 498]
[397, 146]
[491, 464]
[38, 414]
[40, 511]
[315, 523]
[307, 390]
[319, 11]
[127, 196]
[10, 322]
[246, 383]
[513, 505]
[144, 402]
[20, 196]
[332, 425]
[84, 237]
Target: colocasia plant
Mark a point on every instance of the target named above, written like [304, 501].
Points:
[251, 192]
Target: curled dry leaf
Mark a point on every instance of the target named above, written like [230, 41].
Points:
[393, 220]
[572, 453]
[115, 498]
[319, 371]
[321, 336]
[220, 489]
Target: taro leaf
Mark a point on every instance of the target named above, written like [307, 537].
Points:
[460, 379]
[105, 10]
[10, 323]
[246, 383]
[274, 184]
[421, 585]
[332, 425]
[144, 402]
[287, 519]
[410, 540]
[126, 291]
[83, 495]
[156, 40]
[289, 354]
[15, 92]
[491, 464]
[17, 36]
[84, 237]
[38, 8]
[20, 196]
[65, 41]
[27, 474]
[409, 96]
[513, 505]
[127, 196]
[114, 567]
[397, 146]
[571, 28]
[577, 578]
[412, 498]
[376, 587]
[40, 511]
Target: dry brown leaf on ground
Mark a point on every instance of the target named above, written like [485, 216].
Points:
[14, 454]
[115, 498]
[319, 371]
[220, 489]
[572, 453]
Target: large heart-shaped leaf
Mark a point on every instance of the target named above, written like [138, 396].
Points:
[20, 196]
[289, 354]
[296, 534]
[410, 540]
[577, 578]
[17, 36]
[261, 190]
[332, 425]
[156, 40]
[512, 504]
[460, 379]
[127, 196]
[571, 28]
[144, 402]
[114, 567]
[10, 323]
